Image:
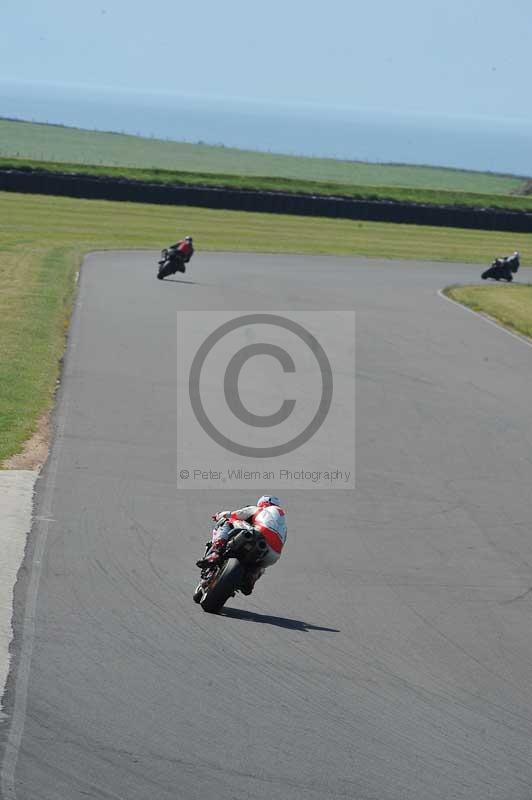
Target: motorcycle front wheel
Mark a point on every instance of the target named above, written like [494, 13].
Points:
[223, 586]
[165, 269]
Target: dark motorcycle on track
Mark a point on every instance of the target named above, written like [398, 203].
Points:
[170, 262]
[502, 269]
[233, 572]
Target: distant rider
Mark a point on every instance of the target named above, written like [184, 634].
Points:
[184, 248]
[509, 261]
[267, 517]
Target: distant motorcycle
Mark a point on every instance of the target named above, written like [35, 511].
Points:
[170, 262]
[502, 268]
[241, 557]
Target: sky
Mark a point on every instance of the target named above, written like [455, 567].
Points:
[450, 57]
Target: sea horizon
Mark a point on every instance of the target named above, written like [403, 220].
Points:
[482, 144]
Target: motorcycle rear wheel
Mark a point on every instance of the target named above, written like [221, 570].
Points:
[223, 586]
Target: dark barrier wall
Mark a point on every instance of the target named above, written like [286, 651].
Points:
[35, 182]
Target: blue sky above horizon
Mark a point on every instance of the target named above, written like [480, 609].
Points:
[447, 57]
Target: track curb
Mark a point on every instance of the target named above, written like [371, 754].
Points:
[17, 489]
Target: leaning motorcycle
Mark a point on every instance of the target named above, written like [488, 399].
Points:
[170, 262]
[240, 559]
[501, 269]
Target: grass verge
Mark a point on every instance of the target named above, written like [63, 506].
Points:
[43, 239]
[40, 142]
[398, 194]
[509, 304]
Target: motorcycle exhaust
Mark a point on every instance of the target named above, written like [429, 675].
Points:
[250, 542]
[243, 539]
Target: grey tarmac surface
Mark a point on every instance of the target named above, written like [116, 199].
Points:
[388, 656]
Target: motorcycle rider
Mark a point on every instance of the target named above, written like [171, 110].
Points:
[184, 247]
[267, 517]
[502, 268]
[509, 261]
[513, 261]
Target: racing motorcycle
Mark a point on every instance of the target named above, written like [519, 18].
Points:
[170, 262]
[502, 269]
[235, 571]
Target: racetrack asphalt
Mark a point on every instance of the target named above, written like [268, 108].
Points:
[388, 656]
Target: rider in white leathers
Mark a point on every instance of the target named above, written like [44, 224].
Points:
[267, 517]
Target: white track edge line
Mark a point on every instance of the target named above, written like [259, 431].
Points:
[20, 690]
[486, 318]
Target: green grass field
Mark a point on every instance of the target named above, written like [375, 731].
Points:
[43, 239]
[439, 197]
[509, 305]
[39, 142]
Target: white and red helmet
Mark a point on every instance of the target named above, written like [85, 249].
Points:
[268, 500]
